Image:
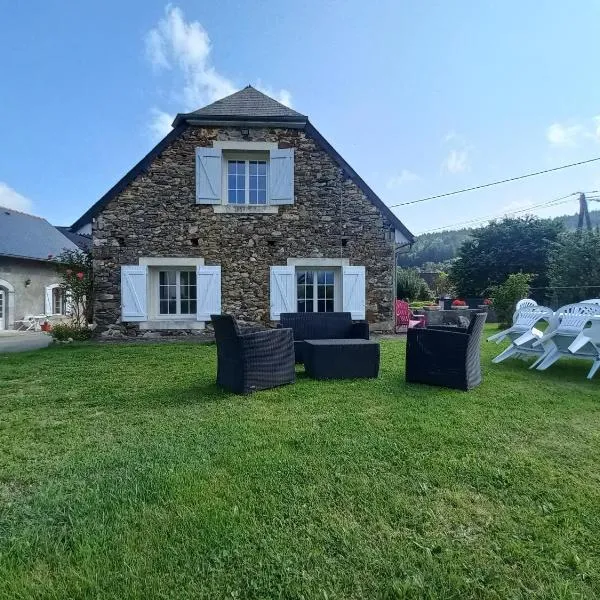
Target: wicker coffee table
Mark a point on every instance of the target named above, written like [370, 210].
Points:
[341, 359]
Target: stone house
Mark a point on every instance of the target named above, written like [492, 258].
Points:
[29, 281]
[242, 208]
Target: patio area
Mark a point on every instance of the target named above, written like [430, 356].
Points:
[127, 473]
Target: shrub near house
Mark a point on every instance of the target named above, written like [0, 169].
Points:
[244, 208]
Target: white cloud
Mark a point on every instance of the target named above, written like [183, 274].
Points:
[183, 49]
[405, 176]
[10, 198]
[284, 96]
[456, 162]
[454, 137]
[565, 135]
[160, 123]
[574, 133]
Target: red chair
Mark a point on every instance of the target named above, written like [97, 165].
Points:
[405, 316]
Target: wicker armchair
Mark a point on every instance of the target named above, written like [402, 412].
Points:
[445, 356]
[247, 362]
[322, 326]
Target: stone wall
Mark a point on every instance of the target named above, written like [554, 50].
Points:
[156, 215]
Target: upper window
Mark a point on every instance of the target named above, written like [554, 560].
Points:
[247, 181]
[177, 292]
[315, 290]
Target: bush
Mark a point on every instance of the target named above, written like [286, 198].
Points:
[506, 295]
[62, 332]
[422, 303]
[409, 284]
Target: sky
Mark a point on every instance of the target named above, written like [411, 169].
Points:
[421, 98]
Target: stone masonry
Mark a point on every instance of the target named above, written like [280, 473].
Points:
[156, 215]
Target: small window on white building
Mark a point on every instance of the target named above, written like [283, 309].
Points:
[315, 290]
[177, 293]
[58, 301]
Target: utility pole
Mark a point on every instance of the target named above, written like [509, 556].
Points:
[583, 213]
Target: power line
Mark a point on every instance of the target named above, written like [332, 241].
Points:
[555, 202]
[486, 185]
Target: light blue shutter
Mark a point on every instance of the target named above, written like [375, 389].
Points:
[283, 291]
[208, 175]
[209, 292]
[353, 291]
[281, 176]
[134, 293]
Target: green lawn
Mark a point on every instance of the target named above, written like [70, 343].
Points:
[125, 473]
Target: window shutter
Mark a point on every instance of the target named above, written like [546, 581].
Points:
[133, 293]
[208, 175]
[209, 292]
[281, 176]
[283, 291]
[353, 291]
[48, 300]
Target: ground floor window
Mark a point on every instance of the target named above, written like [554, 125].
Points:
[58, 301]
[315, 290]
[177, 292]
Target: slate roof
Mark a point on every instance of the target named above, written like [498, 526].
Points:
[27, 236]
[245, 104]
[81, 241]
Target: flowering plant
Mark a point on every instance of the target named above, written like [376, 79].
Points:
[75, 269]
[487, 302]
[458, 302]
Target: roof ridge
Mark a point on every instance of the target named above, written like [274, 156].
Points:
[20, 212]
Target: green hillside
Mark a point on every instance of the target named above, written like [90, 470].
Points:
[433, 251]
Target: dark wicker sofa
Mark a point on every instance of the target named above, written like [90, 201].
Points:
[445, 355]
[322, 326]
[247, 362]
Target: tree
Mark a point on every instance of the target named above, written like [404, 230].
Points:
[574, 266]
[443, 286]
[506, 295]
[75, 268]
[511, 245]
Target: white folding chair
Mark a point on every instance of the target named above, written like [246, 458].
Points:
[570, 322]
[27, 323]
[523, 333]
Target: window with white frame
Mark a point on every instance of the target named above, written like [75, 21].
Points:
[58, 301]
[316, 290]
[246, 180]
[177, 293]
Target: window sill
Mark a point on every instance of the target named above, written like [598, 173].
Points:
[245, 209]
[157, 324]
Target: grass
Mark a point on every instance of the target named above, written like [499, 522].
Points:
[125, 473]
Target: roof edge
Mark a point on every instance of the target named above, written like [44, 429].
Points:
[360, 182]
[91, 212]
[200, 118]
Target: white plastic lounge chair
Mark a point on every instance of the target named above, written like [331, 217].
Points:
[587, 345]
[523, 333]
[524, 303]
[570, 322]
[591, 301]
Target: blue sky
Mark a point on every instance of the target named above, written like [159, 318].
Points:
[419, 97]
